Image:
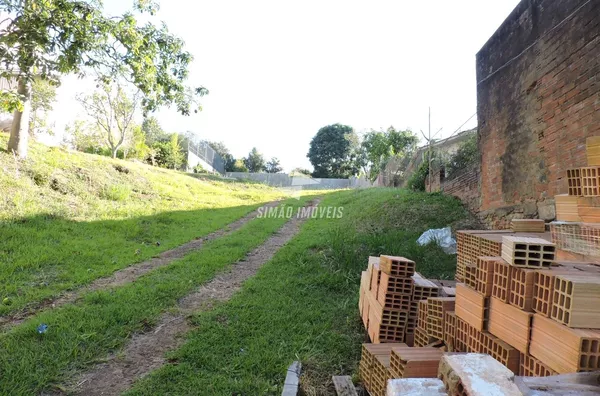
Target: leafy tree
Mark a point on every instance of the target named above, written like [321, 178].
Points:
[333, 152]
[379, 146]
[153, 130]
[137, 147]
[274, 166]
[239, 166]
[467, 154]
[255, 161]
[113, 111]
[82, 136]
[169, 153]
[47, 38]
[43, 95]
[224, 153]
[300, 171]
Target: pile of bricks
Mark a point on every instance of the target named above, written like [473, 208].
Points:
[386, 298]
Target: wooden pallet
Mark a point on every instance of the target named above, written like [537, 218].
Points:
[510, 324]
[471, 306]
[406, 362]
[531, 367]
[527, 252]
[397, 266]
[528, 225]
[521, 288]
[576, 300]
[563, 349]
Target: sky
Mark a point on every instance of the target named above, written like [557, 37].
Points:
[278, 71]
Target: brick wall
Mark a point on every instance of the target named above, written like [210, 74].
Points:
[465, 186]
[536, 111]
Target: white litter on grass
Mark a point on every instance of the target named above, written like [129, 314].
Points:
[440, 236]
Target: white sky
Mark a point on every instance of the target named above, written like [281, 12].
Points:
[278, 71]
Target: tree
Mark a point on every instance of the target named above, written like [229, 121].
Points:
[52, 37]
[82, 136]
[274, 166]
[300, 171]
[239, 166]
[378, 147]
[332, 152]
[43, 95]
[113, 112]
[153, 130]
[223, 151]
[169, 153]
[255, 161]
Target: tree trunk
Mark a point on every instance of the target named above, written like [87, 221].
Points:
[19, 132]
[114, 152]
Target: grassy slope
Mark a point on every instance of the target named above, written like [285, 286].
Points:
[303, 304]
[69, 218]
[82, 333]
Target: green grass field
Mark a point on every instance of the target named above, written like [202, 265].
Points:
[303, 305]
[69, 218]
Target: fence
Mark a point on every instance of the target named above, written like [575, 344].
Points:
[302, 182]
[202, 154]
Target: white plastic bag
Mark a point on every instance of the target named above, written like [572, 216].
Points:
[442, 237]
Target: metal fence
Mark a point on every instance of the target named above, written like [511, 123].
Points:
[301, 182]
[207, 154]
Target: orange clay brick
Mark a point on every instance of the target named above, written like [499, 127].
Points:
[471, 306]
[375, 278]
[406, 362]
[397, 266]
[367, 360]
[422, 338]
[484, 274]
[501, 284]
[424, 288]
[380, 375]
[422, 315]
[543, 288]
[563, 349]
[567, 208]
[531, 367]
[461, 336]
[471, 275]
[528, 225]
[576, 300]
[527, 252]
[450, 330]
[574, 182]
[510, 324]
[521, 288]
[590, 181]
[436, 306]
[484, 342]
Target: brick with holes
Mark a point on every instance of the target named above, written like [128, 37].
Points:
[563, 349]
[576, 300]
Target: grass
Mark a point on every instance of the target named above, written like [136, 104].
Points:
[303, 304]
[83, 333]
[69, 218]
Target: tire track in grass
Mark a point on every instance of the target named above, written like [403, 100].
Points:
[128, 274]
[145, 352]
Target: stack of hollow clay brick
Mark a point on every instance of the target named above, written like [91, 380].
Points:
[577, 229]
[386, 296]
[534, 313]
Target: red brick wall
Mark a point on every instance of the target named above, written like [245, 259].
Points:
[538, 99]
[465, 187]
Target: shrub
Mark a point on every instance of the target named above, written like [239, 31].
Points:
[466, 155]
